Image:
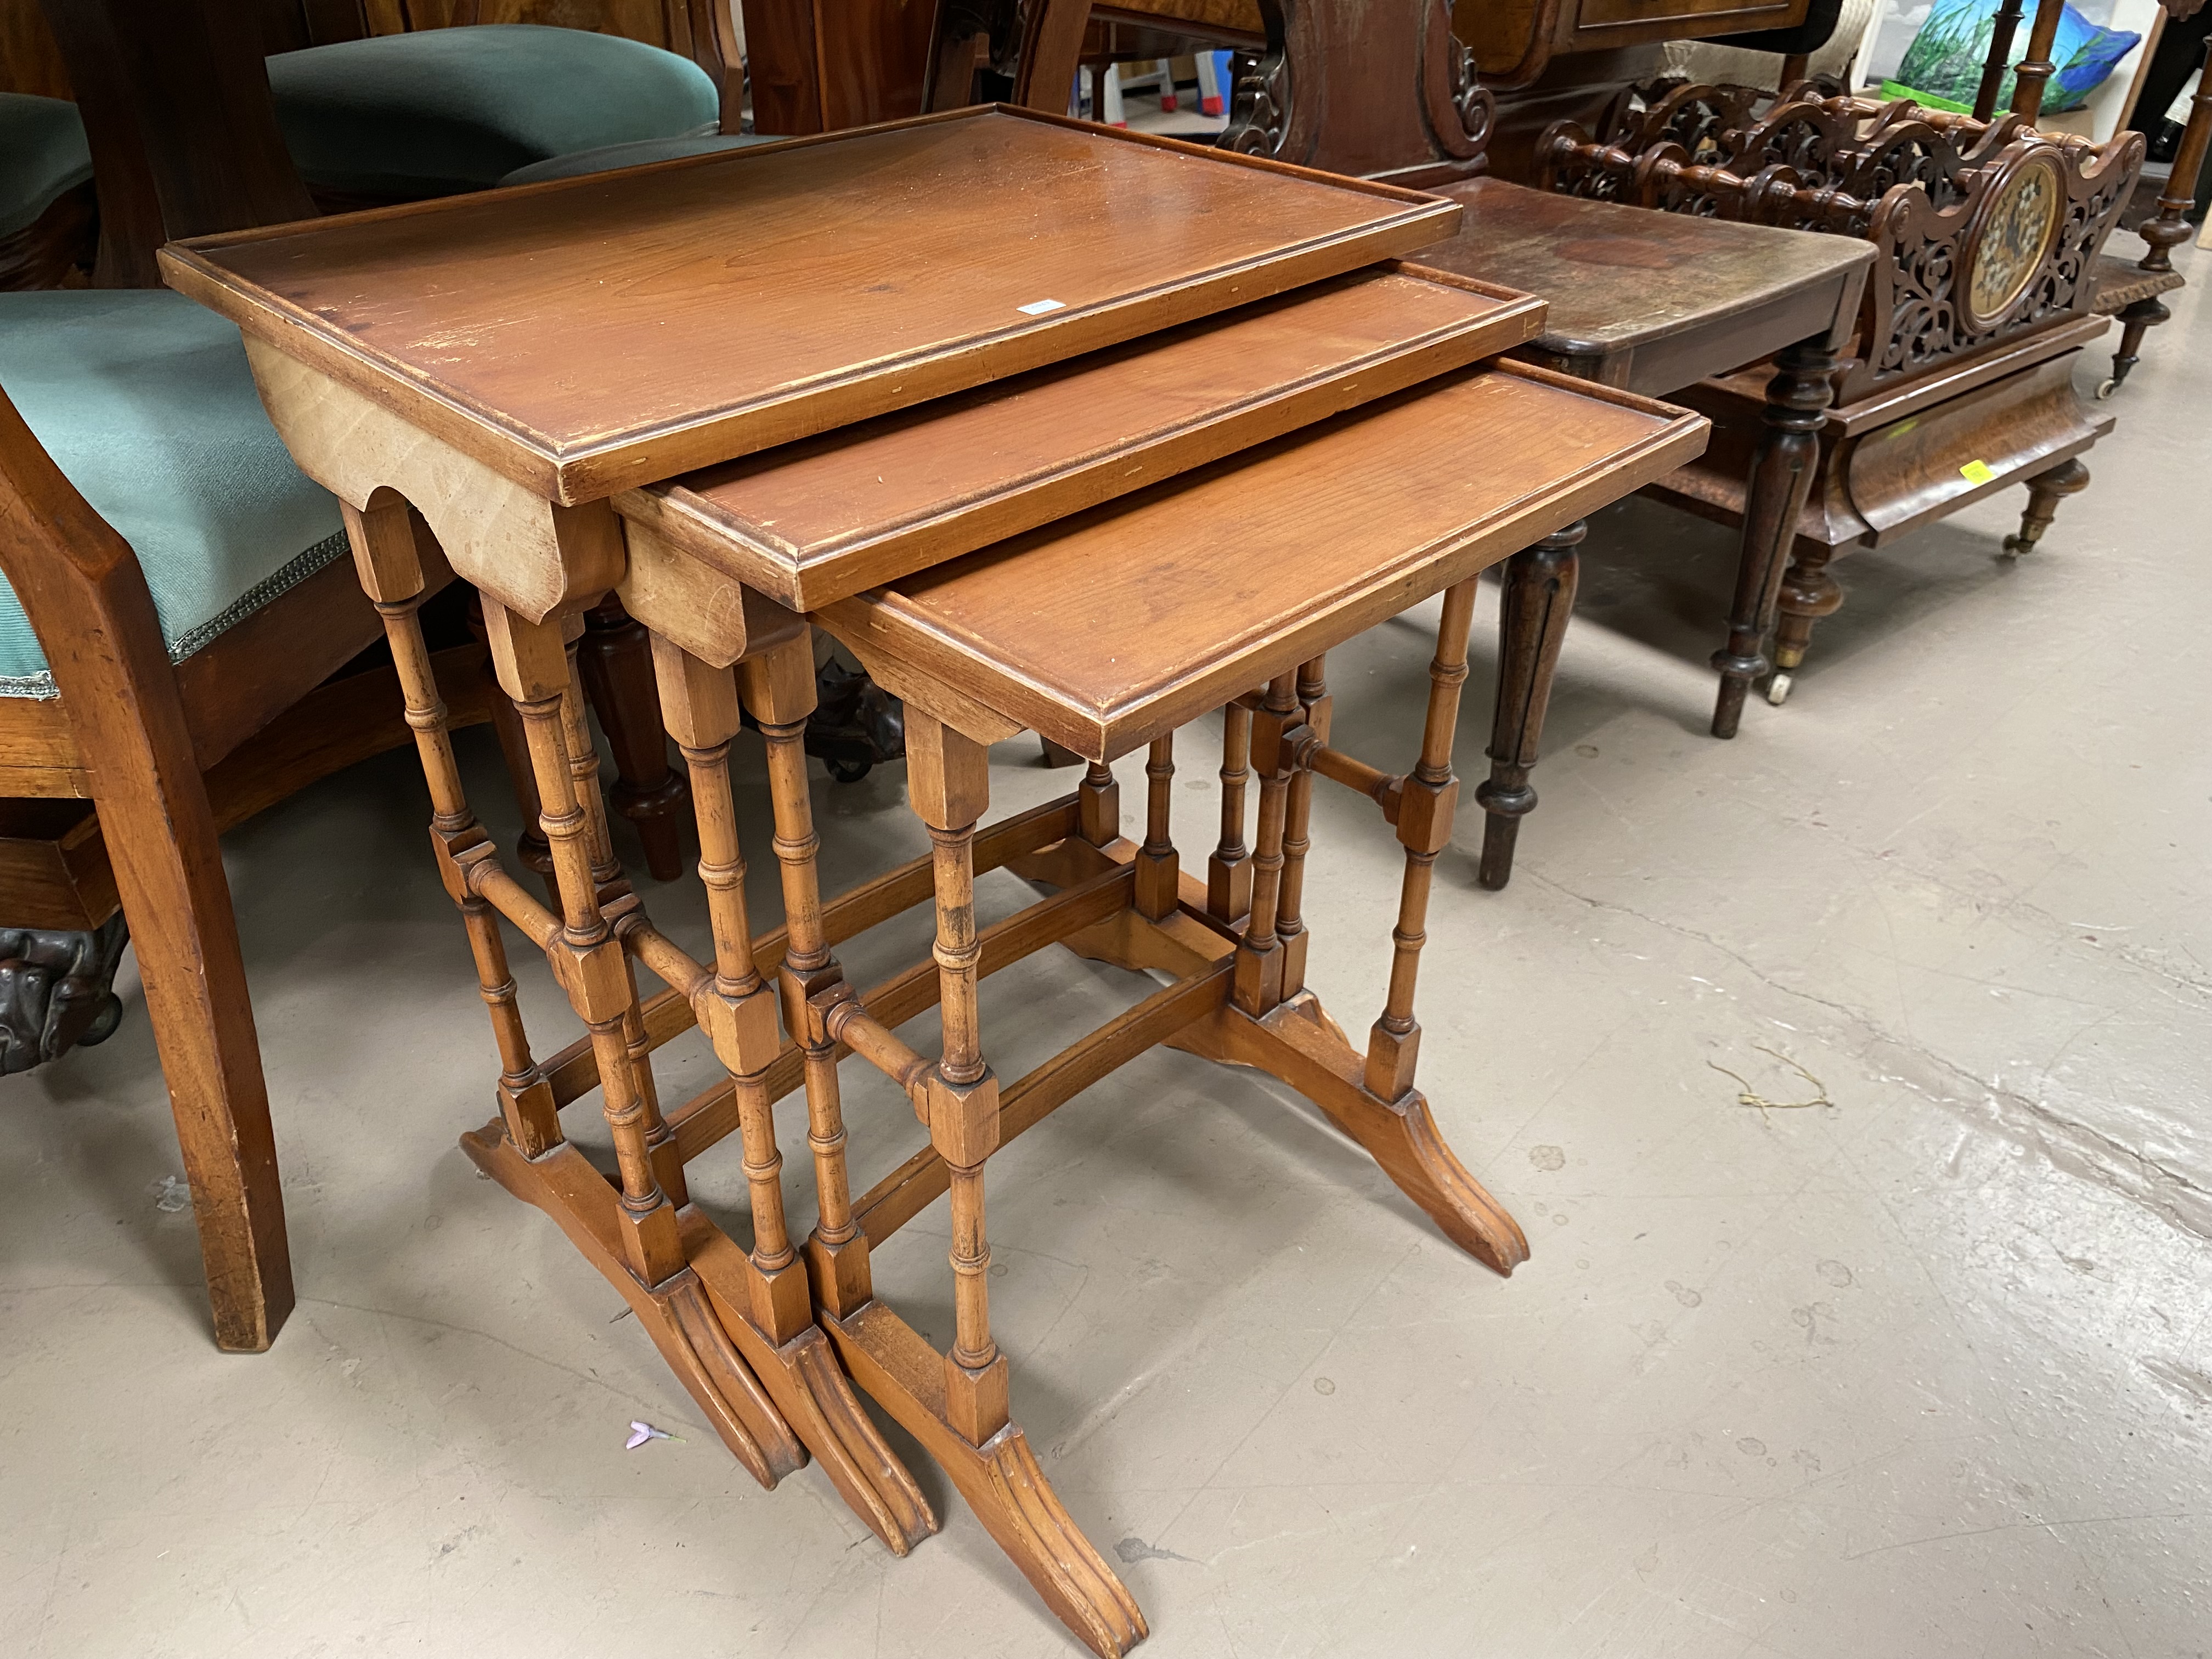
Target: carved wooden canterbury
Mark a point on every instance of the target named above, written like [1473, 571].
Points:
[1986, 231]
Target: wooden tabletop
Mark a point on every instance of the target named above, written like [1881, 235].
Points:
[811, 522]
[1105, 630]
[1666, 296]
[593, 334]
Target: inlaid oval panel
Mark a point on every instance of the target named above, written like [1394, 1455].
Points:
[2018, 228]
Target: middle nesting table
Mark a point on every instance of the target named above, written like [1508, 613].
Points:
[1200, 509]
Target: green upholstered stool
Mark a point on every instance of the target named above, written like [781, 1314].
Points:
[144, 401]
[437, 112]
[43, 158]
[610, 156]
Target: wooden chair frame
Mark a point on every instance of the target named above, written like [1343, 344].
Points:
[154, 748]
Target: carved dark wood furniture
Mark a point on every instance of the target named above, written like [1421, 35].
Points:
[1959, 380]
[988, 555]
[2131, 290]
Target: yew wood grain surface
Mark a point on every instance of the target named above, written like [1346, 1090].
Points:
[1105, 631]
[816, 521]
[594, 334]
[1653, 307]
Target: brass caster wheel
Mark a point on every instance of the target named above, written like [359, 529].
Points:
[2015, 545]
[1778, 689]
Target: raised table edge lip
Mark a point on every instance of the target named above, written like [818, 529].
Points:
[1681, 439]
[726, 541]
[574, 474]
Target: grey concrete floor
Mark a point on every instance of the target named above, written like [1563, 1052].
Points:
[1925, 1368]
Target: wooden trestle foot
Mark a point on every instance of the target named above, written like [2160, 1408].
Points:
[675, 1313]
[1000, 1480]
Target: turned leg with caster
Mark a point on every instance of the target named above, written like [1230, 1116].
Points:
[2142, 315]
[1538, 598]
[1809, 593]
[1798, 399]
[2044, 492]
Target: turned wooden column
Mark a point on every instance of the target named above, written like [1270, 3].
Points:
[1782, 467]
[778, 688]
[533, 664]
[617, 662]
[2167, 229]
[1534, 608]
[1228, 867]
[2002, 28]
[2036, 68]
[949, 783]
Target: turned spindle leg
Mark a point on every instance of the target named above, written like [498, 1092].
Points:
[617, 663]
[1258, 983]
[949, 780]
[2142, 315]
[607, 881]
[1782, 467]
[530, 849]
[2167, 229]
[1228, 871]
[1156, 871]
[533, 666]
[699, 704]
[1537, 600]
[762, 1298]
[779, 688]
[2044, 492]
[1298, 814]
[2030, 74]
[386, 555]
[1425, 830]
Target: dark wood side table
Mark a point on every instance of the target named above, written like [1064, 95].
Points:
[1651, 303]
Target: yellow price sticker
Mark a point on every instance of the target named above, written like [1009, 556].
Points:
[1978, 472]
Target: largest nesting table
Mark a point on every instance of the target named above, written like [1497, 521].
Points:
[1058, 430]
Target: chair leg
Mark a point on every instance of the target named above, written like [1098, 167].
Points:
[169, 872]
[2143, 314]
[1531, 620]
[616, 657]
[2044, 492]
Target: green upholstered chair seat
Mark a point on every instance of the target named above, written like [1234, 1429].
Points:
[437, 112]
[610, 156]
[43, 154]
[144, 401]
